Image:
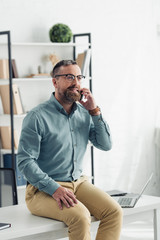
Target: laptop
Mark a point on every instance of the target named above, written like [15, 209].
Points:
[128, 200]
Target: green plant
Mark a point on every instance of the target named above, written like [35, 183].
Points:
[60, 33]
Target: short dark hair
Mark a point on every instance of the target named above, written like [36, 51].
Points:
[60, 64]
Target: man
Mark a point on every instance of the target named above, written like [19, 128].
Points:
[53, 141]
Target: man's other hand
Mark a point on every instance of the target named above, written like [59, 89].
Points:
[63, 195]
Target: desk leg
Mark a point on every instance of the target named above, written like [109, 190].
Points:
[156, 224]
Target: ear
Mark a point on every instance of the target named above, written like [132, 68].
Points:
[54, 81]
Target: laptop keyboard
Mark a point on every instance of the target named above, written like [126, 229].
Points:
[125, 201]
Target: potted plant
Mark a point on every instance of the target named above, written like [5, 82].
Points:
[60, 33]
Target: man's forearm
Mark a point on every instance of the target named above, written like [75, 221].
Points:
[100, 135]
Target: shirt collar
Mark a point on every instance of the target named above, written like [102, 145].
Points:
[58, 106]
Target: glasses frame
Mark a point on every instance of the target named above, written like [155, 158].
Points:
[65, 75]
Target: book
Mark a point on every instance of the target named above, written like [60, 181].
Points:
[6, 137]
[83, 61]
[14, 69]
[16, 139]
[5, 133]
[80, 59]
[4, 225]
[86, 63]
[5, 97]
[4, 69]
[17, 105]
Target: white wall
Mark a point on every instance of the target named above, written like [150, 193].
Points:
[126, 50]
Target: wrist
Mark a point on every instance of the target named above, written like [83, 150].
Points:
[95, 112]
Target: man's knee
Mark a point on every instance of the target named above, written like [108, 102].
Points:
[83, 222]
[79, 224]
[81, 217]
[114, 212]
[117, 212]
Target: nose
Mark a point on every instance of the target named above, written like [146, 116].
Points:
[76, 80]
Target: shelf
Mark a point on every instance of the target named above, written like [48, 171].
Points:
[6, 151]
[21, 79]
[32, 79]
[15, 115]
[21, 187]
[47, 44]
[25, 79]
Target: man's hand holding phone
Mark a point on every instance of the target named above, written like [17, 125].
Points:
[87, 100]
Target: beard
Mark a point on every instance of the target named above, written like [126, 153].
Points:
[71, 96]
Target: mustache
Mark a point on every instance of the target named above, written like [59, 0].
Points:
[74, 86]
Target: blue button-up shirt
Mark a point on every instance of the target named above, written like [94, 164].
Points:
[53, 143]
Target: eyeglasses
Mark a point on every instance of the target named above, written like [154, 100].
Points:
[71, 77]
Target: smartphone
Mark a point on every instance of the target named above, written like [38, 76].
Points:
[81, 95]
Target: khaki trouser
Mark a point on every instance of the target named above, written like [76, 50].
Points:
[91, 201]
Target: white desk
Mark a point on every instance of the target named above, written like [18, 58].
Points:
[146, 208]
[24, 224]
